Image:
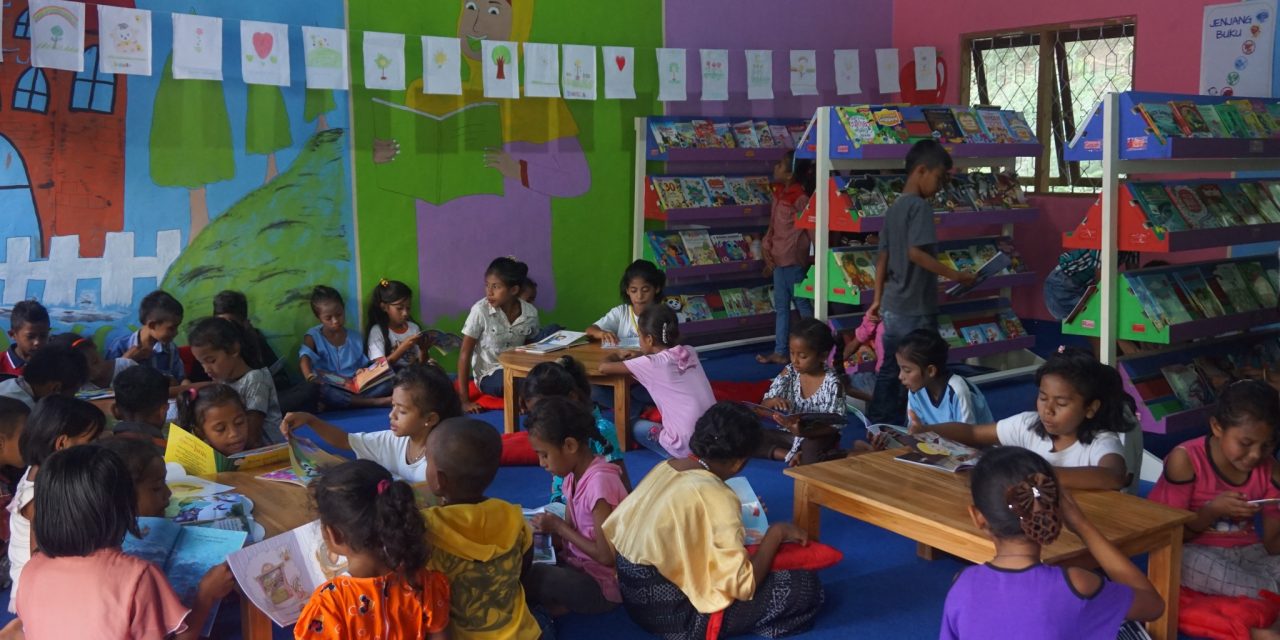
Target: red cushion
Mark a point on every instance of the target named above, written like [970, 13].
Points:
[724, 391]
[492, 403]
[1224, 617]
[811, 556]
[516, 450]
[188, 359]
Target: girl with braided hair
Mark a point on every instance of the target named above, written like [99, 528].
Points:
[1018, 502]
[674, 377]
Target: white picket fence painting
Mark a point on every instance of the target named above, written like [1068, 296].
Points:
[64, 268]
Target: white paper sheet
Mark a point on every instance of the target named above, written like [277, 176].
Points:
[848, 72]
[578, 76]
[619, 73]
[541, 70]
[501, 69]
[671, 75]
[804, 72]
[197, 47]
[264, 53]
[887, 70]
[383, 60]
[442, 66]
[926, 68]
[759, 74]
[124, 40]
[325, 53]
[715, 74]
[57, 34]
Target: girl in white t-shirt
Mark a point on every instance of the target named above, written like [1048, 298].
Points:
[641, 286]
[1080, 409]
[392, 332]
[423, 396]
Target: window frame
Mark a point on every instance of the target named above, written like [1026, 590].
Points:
[32, 92]
[93, 78]
[23, 22]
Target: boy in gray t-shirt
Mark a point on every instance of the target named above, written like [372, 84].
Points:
[906, 294]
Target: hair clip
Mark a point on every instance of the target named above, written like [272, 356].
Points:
[1062, 348]
[384, 283]
[78, 342]
[383, 485]
[191, 393]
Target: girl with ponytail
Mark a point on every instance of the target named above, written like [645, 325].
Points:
[374, 522]
[672, 374]
[809, 384]
[1018, 502]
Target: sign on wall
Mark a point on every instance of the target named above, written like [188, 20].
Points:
[1236, 51]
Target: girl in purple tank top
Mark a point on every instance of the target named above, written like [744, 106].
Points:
[1017, 501]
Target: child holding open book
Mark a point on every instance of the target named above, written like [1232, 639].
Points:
[807, 385]
[330, 347]
[217, 415]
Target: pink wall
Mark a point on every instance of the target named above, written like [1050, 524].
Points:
[822, 25]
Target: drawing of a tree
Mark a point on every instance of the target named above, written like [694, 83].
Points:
[266, 125]
[318, 103]
[501, 56]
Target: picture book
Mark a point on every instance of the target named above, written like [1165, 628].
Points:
[735, 302]
[206, 509]
[986, 191]
[890, 128]
[962, 259]
[1011, 325]
[1187, 385]
[543, 549]
[764, 135]
[1261, 200]
[859, 268]
[995, 126]
[1193, 211]
[442, 341]
[200, 459]
[1225, 300]
[973, 335]
[90, 394]
[782, 136]
[670, 193]
[725, 132]
[744, 134]
[280, 573]
[761, 299]
[1272, 188]
[890, 187]
[695, 192]
[858, 124]
[559, 340]
[932, 450]
[963, 192]
[797, 131]
[1212, 121]
[991, 332]
[954, 196]
[668, 249]
[185, 554]
[1011, 190]
[742, 192]
[1229, 277]
[947, 329]
[801, 424]
[1233, 121]
[664, 135]
[705, 133]
[697, 245]
[718, 191]
[752, 244]
[1022, 132]
[996, 264]
[444, 155]
[677, 137]
[1256, 128]
[1161, 289]
[1272, 109]
[754, 519]
[182, 485]
[970, 127]
[868, 202]
[696, 308]
[943, 124]
[1259, 283]
[1241, 203]
[1160, 118]
[307, 461]
[763, 188]
[1188, 118]
[917, 128]
[730, 248]
[377, 372]
[686, 133]
[1216, 202]
[1161, 212]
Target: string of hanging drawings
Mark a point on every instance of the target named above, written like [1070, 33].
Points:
[56, 29]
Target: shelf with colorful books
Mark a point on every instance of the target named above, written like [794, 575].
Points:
[708, 200]
[714, 139]
[975, 136]
[969, 200]
[1179, 215]
[706, 311]
[1176, 303]
[687, 254]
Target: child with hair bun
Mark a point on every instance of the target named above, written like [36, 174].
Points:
[807, 385]
[1019, 503]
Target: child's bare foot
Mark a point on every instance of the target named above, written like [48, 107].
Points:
[773, 358]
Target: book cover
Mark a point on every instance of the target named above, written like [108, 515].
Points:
[663, 135]
[444, 156]
[1232, 121]
[735, 302]
[943, 125]
[969, 125]
[890, 187]
[764, 135]
[1272, 109]
[994, 266]
[1187, 385]
[670, 193]
[1022, 132]
[725, 132]
[705, 133]
[986, 189]
[858, 124]
[1230, 278]
[1193, 211]
[947, 329]
[668, 249]
[1160, 116]
[718, 191]
[203, 509]
[1221, 294]
[197, 458]
[280, 573]
[963, 192]
[940, 453]
[742, 192]
[1241, 203]
[744, 134]
[917, 128]
[1011, 325]
[185, 554]
[1189, 118]
[1212, 121]
[962, 259]
[543, 548]
[859, 268]
[1216, 202]
[751, 245]
[992, 332]
[1162, 292]
[1011, 190]
[1162, 214]
[1251, 120]
[1259, 283]
[1150, 307]
[761, 299]
[697, 245]
[754, 520]
[559, 340]
[686, 134]
[782, 136]
[442, 341]
[890, 128]
[973, 335]
[995, 126]
[867, 199]
[800, 423]
[797, 131]
[763, 188]
[1261, 200]
[729, 247]
[696, 308]
[1270, 126]
[695, 192]
[365, 378]
[1194, 285]
[1272, 188]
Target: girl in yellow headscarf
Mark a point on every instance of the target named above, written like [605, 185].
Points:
[539, 158]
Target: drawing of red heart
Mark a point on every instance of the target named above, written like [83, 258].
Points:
[262, 43]
[621, 61]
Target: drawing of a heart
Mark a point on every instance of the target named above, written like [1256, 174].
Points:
[262, 43]
[621, 61]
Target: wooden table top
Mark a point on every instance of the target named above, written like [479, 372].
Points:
[277, 506]
[590, 355]
[915, 496]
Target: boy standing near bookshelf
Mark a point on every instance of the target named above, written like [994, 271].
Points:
[906, 292]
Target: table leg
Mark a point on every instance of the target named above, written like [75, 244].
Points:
[622, 409]
[508, 400]
[806, 513]
[254, 624]
[1164, 569]
[926, 552]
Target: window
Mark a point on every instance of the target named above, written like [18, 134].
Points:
[32, 91]
[93, 91]
[22, 27]
[1054, 76]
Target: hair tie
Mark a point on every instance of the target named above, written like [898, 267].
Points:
[664, 332]
[78, 342]
[1035, 502]
[383, 485]
[1062, 348]
[384, 283]
[191, 393]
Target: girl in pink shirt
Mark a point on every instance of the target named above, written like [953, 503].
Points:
[84, 506]
[1221, 477]
[560, 432]
[671, 373]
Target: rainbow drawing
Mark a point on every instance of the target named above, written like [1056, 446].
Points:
[55, 10]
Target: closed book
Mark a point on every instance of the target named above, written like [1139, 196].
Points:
[995, 125]
[970, 126]
[943, 124]
[1193, 284]
[890, 128]
[1193, 211]
[1209, 116]
[1160, 210]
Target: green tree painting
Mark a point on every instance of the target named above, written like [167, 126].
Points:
[266, 126]
[191, 140]
[318, 103]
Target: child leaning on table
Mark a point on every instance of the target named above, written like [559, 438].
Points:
[1215, 476]
[1018, 502]
[146, 468]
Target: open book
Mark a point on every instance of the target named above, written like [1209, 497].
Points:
[544, 552]
[754, 519]
[441, 157]
[999, 262]
[928, 449]
[807, 424]
[279, 574]
[442, 341]
[200, 459]
[365, 378]
[307, 461]
[185, 554]
[632, 344]
[555, 342]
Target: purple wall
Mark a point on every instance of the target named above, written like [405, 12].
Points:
[823, 25]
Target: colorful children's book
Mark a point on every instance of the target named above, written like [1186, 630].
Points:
[202, 510]
[1011, 190]
[1187, 385]
[1196, 287]
[736, 303]
[928, 449]
[1261, 200]
[1159, 116]
[858, 266]
[1256, 127]
[1018, 126]
[280, 573]
[442, 341]
[718, 191]
[742, 192]
[754, 519]
[200, 459]
[697, 245]
[782, 136]
[1233, 121]
[868, 202]
[668, 248]
[307, 461]
[858, 124]
[995, 126]
[1216, 202]
[1273, 189]
[890, 128]
[1161, 212]
[1163, 294]
[1188, 118]
[761, 299]
[973, 335]
[725, 132]
[890, 187]
[1231, 280]
[1152, 309]
[185, 554]
[1011, 325]
[1212, 121]
[986, 191]
[797, 131]
[764, 135]
[376, 373]
[962, 259]
[970, 126]
[729, 247]
[670, 193]
[1242, 204]
[559, 340]
[664, 135]
[705, 133]
[1193, 212]
[1259, 283]
[943, 124]
[695, 192]
[993, 266]
[991, 332]
[543, 549]
[763, 188]
[696, 308]
[686, 134]
[801, 424]
[947, 329]
[744, 134]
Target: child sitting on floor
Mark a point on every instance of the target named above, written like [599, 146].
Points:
[141, 404]
[934, 394]
[866, 344]
[217, 415]
[373, 520]
[392, 332]
[101, 371]
[53, 370]
[1080, 410]
[483, 545]
[146, 467]
[234, 306]
[559, 431]
[28, 331]
[674, 377]
[217, 345]
[330, 347]
[160, 314]
[497, 322]
[1017, 501]
[806, 385]
[423, 397]
[641, 286]
[13, 420]
[86, 505]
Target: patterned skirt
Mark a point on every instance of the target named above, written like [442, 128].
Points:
[785, 603]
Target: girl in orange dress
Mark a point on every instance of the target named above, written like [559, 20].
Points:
[374, 521]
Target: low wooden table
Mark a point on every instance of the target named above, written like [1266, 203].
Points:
[931, 507]
[517, 364]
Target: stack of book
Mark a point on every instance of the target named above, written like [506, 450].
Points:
[737, 302]
[858, 264]
[1197, 292]
[1238, 118]
[711, 191]
[1207, 204]
[872, 195]
[867, 124]
[1185, 386]
[698, 247]
[705, 134]
[980, 328]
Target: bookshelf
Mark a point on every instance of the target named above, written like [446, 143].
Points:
[846, 216]
[657, 162]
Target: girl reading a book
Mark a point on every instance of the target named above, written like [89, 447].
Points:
[807, 385]
[642, 285]
[560, 430]
[786, 248]
[392, 332]
[674, 377]
[373, 520]
[1220, 477]
[217, 344]
[331, 348]
[216, 414]
[1081, 408]
[423, 396]
[934, 394]
[146, 467]
[497, 322]
[86, 505]
[1018, 501]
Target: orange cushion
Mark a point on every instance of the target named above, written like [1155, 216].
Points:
[811, 556]
[1225, 617]
[516, 450]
